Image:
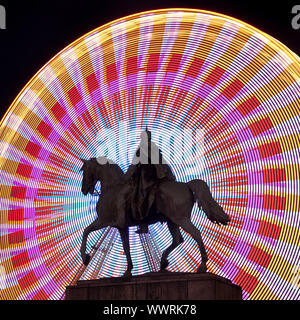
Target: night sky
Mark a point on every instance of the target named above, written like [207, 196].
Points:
[37, 30]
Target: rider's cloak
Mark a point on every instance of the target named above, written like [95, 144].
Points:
[148, 167]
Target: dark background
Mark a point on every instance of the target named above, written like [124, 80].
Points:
[38, 30]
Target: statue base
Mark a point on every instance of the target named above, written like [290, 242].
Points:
[157, 286]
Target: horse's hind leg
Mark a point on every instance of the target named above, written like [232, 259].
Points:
[177, 240]
[195, 233]
[125, 240]
[96, 225]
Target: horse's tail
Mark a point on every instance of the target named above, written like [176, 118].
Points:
[203, 196]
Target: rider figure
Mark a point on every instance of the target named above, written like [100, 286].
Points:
[148, 167]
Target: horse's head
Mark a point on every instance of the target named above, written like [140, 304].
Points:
[94, 170]
[90, 176]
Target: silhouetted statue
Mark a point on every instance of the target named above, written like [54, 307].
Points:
[147, 169]
[161, 196]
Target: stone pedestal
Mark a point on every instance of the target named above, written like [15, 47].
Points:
[157, 286]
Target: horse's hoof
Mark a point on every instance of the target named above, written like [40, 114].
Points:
[164, 271]
[86, 259]
[164, 265]
[202, 268]
[127, 274]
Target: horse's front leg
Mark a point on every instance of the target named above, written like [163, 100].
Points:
[96, 225]
[124, 232]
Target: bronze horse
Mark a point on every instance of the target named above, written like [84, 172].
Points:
[173, 204]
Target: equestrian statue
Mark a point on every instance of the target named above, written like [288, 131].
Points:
[146, 194]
